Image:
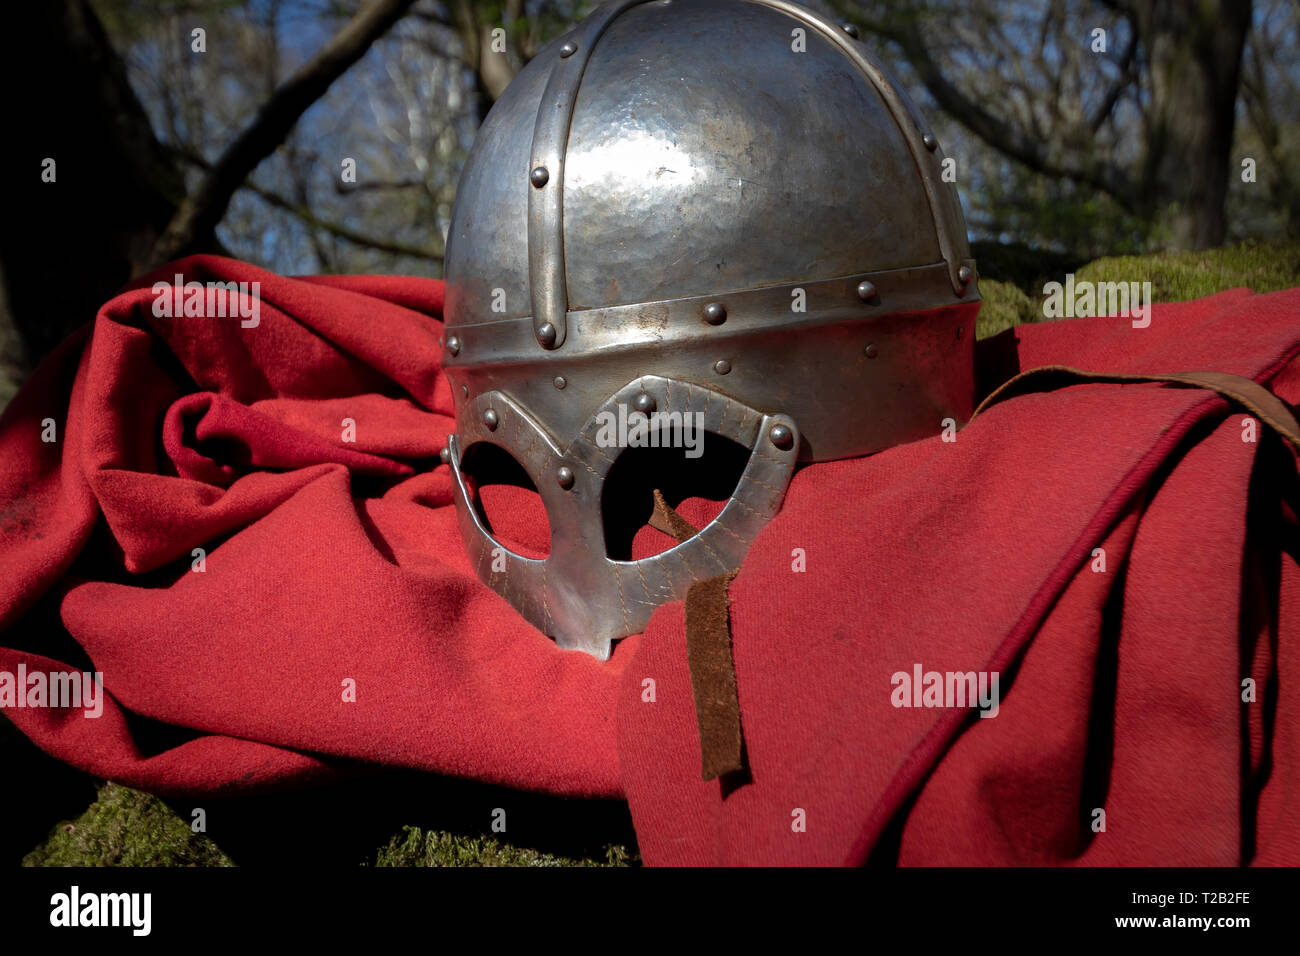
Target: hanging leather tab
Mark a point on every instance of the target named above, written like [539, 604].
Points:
[667, 520]
[708, 652]
[713, 675]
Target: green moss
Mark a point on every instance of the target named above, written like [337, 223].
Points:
[1013, 289]
[417, 847]
[125, 827]
[1179, 276]
[1004, 305]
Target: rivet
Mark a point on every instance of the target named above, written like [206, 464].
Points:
[564, 477]
[850, 29]
[464, 391]
[930, 142]
[453, 345]
[568, 49]
[559, 382]
[715, 313]
[866, 291]
[546, 334]
[445, 455]
[644, 403]
[964, 275]
[539, 177]
[722, 366]
[490, 419]
[871, 351]
[781, 436]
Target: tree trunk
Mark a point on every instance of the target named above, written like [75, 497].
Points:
[70, 244]
[1195, 52]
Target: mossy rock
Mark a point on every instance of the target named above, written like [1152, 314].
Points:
[417, 847]
[1179, 276]
[1004, 305]
[1015, 296]
[125, 827]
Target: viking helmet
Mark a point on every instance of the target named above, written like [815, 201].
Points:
[713, 208]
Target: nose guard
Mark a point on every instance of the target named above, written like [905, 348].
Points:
[578, 595]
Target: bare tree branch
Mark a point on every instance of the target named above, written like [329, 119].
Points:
[995, 131]
[194, 222]
[1125, 80]
[303, 212]
[347, 189]
[341, 231]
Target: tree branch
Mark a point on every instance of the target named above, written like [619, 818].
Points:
[995, 131]
[303, 212]
[1125, 80]
[196, 219]
[369, 187]
[340, 230]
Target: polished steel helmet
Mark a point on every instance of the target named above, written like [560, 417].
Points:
[721, 211]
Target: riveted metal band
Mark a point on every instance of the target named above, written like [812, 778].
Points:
[748, 311]
[915, 132]
[546, 280]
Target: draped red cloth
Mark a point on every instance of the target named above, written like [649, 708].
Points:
[300, 457]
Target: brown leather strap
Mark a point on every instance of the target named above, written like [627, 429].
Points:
[1250, 395]
[708, 653]
[668, 521]
[713, 675]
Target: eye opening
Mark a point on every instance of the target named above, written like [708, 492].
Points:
[698, 488]
[506, 499]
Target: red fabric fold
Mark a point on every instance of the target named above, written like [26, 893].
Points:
[234, 522]
[185, 433]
